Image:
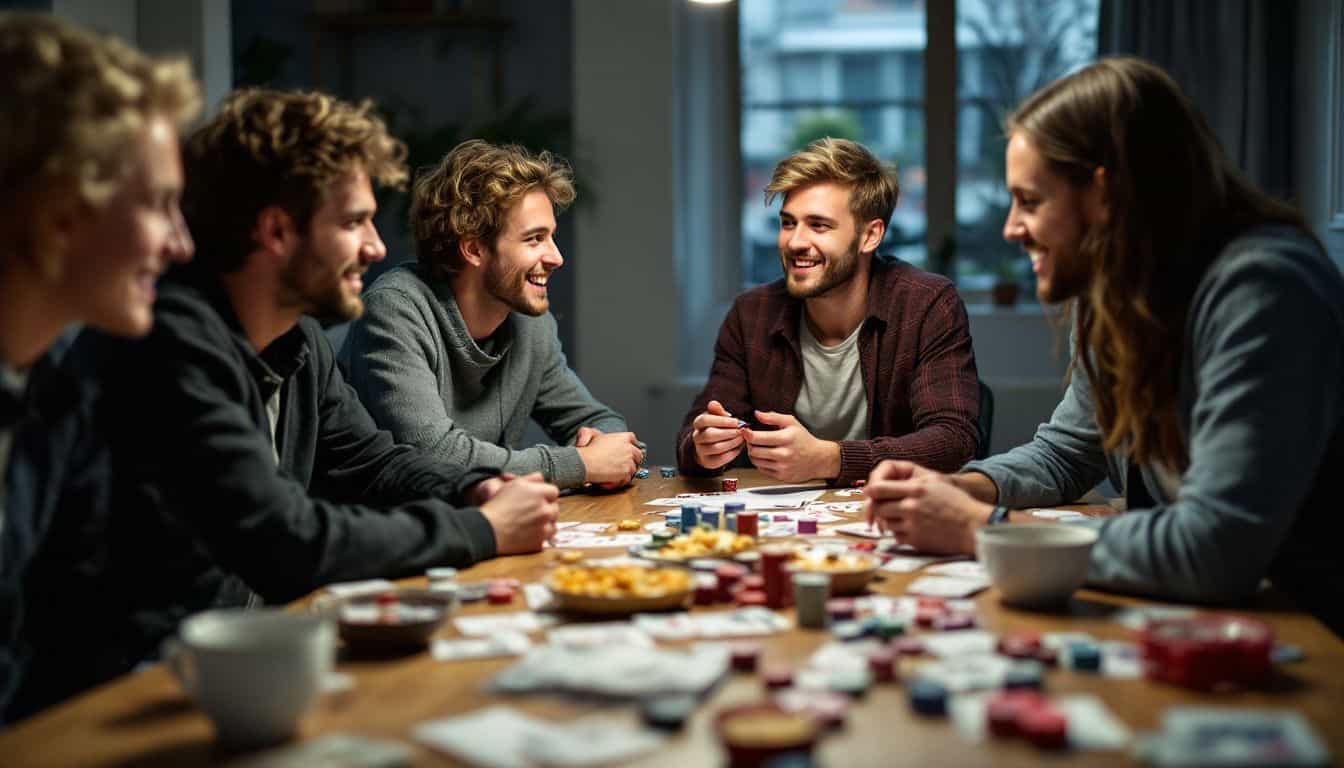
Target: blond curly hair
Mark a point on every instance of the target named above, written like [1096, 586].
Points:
[72, 103]
[469, 192]
[874, 188]
[284, 148]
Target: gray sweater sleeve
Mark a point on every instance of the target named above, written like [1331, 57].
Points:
[1267, 354]
[394, 353]
[1062, 462]
[563, 402]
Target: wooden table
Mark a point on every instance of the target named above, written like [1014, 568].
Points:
[145, 719]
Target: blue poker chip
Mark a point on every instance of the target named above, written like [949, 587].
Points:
[927, 697]
[668, 713]
[1027, 675]
[642, 473]
[1085, 656]
[667, 472]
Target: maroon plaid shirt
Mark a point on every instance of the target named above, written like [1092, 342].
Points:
[918, 371]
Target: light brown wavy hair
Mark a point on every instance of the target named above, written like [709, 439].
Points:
[1174, 201]
[470, 191]
[72, 103]
[874, 188]
[284, 148]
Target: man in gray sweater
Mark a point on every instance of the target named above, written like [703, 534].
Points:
[456, 352]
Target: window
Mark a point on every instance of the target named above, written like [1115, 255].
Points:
[855, 69]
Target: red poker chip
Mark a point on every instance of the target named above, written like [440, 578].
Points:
[935, 603]
[1206, 652]
[707, 594]
[949, 622]
[499, 595]
[745, 656]
[863, 546]
[1020, 645]
[908, 646]
[1043, 727]
[777, 676]
[746, 597]
[882, 665]
[927, 617]
[1047, 656]
[840, 608]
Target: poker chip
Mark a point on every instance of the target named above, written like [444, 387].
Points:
[1024, 675]
[807, 527]
[851, 682]
[860, 483]
[710, 518]
[1044, 727]
[777, 676]
[931, 603]
[882, 665]
[1084, 656]
[949, 622]
[908, 646]
[728, 484]
[840, 608]
[747, 523]
[668, 713]
[847, 631]
[1019, 645]
[1047, 656]
[927, 697]
[1205, 652]
[927, 617]
[863, 546]
[750, 597]
[499, 595]
[752, 581]
[667, 471]
[472, 592]
[441, 574]
[641, 474]
[745, 656]
[889, 627]
[1004, 709]
[707, 592]
[690, 517]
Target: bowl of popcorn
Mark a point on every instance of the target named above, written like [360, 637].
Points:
[619, 589]
[701, 542]
[850, 572]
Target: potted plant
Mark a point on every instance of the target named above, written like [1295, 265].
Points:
[1007, 281]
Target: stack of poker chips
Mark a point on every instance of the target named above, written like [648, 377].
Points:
[730, 512]
[728, 484]
[810, 593]
[747, 523]
[690, 517]
[1206, 652]
[774, 571]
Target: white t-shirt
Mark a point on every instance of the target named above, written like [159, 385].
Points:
[832, 403]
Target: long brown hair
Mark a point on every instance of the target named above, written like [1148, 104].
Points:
[1174, 201]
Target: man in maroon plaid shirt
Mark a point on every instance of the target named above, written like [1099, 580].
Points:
[851, 358]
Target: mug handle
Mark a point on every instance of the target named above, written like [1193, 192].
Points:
[178, 659]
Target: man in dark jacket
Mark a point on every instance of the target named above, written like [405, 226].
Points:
[245, 468]
[89, 181]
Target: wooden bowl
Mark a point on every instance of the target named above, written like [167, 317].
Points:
[849, 579]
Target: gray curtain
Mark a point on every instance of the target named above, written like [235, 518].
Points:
[1234, 58]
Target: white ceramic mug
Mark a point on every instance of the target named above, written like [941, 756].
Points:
[254, 672]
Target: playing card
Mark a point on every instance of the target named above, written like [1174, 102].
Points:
[963, 569]
[1137, 617]
[620, 671]
[503, 738]
[500, 644]
[976, 672]
[1056, 514]
[907, 563]
[1228, 738]
[538, 597]
[968, 642]
[484, 624]
[603, 633]
[946, 586]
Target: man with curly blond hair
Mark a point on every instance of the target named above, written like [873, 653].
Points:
[246, 469]
[89, 186]
[458, 351]
[851, 358]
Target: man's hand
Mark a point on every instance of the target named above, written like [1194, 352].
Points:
[791, 454]
[923, 508]
[486, 489]
[609, 460]
[522, 514]
[716, 437]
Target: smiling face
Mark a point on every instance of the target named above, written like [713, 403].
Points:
[118, 251]
[1048, 217]
[818, 240]
[519, 265]
[325, 274]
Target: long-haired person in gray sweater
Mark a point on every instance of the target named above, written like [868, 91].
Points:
[1208, 357]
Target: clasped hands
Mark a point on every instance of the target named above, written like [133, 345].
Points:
[789, 453]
